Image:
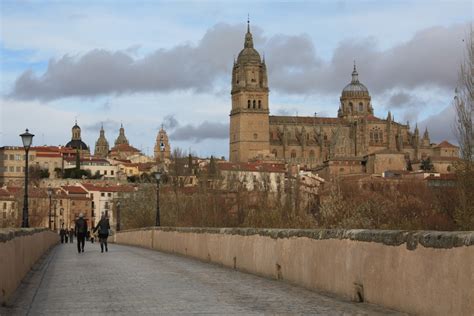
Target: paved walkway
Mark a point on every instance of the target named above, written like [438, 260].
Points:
[129, 280]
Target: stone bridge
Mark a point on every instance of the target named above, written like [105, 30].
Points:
[239, 271]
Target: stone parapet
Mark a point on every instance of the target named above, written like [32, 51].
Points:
[419, 272]
[19, 250]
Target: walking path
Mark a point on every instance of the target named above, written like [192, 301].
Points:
[135, 281]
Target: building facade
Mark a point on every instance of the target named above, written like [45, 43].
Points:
[314, 142]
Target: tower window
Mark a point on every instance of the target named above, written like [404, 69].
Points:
[361, 107]
[259, 104]
[248, 104]
[254, 104]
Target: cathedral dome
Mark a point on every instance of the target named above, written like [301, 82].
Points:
[355, 87]
[248, 55]
[77, 144]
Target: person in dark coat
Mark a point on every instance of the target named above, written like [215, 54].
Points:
[71, 235]
[81, 231]
[103, 226]
[66, 236]
[62, 232]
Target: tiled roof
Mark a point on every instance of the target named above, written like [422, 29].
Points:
[113, 188]
[74, 189]
[123, 147]
[445, 144]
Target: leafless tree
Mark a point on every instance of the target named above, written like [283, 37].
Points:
[463, 102]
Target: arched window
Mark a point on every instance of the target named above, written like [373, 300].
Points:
[259, 104]
[351, 107]
[254, 104]
[248, 104]
[361, 107]
[376, 136]
[293, 153]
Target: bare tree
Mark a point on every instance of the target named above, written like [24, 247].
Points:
[463, 103]
[464, 106]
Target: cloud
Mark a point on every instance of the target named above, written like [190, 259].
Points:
[205, 130]
[108, 125]
[441, 125]
[170, 122]
[431, 57]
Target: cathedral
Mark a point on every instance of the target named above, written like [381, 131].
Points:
[353, 137]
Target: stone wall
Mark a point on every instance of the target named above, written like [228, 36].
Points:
[426, 273]
[19, 250]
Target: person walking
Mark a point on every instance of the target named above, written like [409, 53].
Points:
[103, 226]
[66, 235]
[62, 232]
[71, 235]
[81, 230]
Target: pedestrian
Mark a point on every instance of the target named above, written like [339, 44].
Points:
[71, 235]
[66, 235]
[103, 227]
[81, 231]
[62, 232]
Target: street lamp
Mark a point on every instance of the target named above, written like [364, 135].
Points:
[50, 194]
[158, 177]
[118, 215]
[27, 139]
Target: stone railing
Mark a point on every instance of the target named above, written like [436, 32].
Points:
[19, 250]
[419, 272]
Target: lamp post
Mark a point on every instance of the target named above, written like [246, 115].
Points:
[50, 193]
[27, 139]
[118, 215]
[158, 177]
[55, 214]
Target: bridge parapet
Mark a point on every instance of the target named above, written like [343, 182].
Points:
[419, 272]
[19, 250]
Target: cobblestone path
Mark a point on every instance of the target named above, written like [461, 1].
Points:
[135, 281]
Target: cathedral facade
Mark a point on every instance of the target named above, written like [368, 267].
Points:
[354, 135]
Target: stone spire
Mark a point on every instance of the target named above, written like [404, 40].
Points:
[248, 37]
[121, 139]
[355, 75]
[101, 145]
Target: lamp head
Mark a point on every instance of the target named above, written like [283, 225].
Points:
[27, 139]
[158, 176]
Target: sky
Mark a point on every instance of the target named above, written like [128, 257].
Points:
[145, 64]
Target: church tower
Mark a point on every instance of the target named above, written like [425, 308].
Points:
[121, 139]
[249, 117]
[162, 146]
[101, 145]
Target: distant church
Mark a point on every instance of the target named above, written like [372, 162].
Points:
[352, 138]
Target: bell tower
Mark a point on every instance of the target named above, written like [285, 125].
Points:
[249, 117]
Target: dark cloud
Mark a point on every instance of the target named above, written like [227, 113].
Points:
[205, 130]
[441, 125]
[400, 100]
[431, 57]
[108, 125]
[170, 122]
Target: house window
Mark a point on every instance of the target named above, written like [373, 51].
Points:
[105, 172]
[111, 172]
[109, 194]
[248, 104]
[293, 153]
[259, 104]
[4, 205]
[255, 136]
[102, 194]
[254, 104]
